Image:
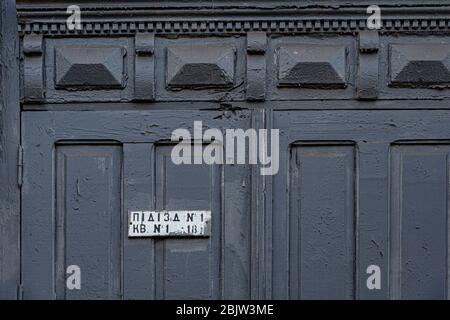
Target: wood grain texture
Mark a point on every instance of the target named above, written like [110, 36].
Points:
[203, 268]
[9, 143]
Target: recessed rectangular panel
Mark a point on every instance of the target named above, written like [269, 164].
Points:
[305, 67]
[419, 226]
[200, 66]
[88, 184]
[200, 69]
[187, 268]
[420, 64]
[313, 66]
[82, 67]
[97, 69]
[322, 218]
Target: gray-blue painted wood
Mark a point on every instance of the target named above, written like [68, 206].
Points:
[387, 204]
[9, 149]
[138, 193]
[321, 221]
[88, 204]
[345, 173]
[190, 268]
[360, 182]
[86, 188]
[419, 220]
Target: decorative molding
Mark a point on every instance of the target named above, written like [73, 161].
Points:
[420, 65]
[312, 66]
[200, 66]
[144, 71]
[80, 68]
[368, 71]
[311, 25]
[161, 29]
[166, 17]
[33, 68]
[256, 66]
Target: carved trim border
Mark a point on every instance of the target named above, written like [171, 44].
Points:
[309, 25]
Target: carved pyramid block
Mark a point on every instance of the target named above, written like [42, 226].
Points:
[312, 66]
[200, 66]
[85, 67]
[419, 65]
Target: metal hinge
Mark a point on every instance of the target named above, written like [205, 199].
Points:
[19, 292]
[20, 167]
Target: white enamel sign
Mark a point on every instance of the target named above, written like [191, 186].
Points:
[181, 223]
